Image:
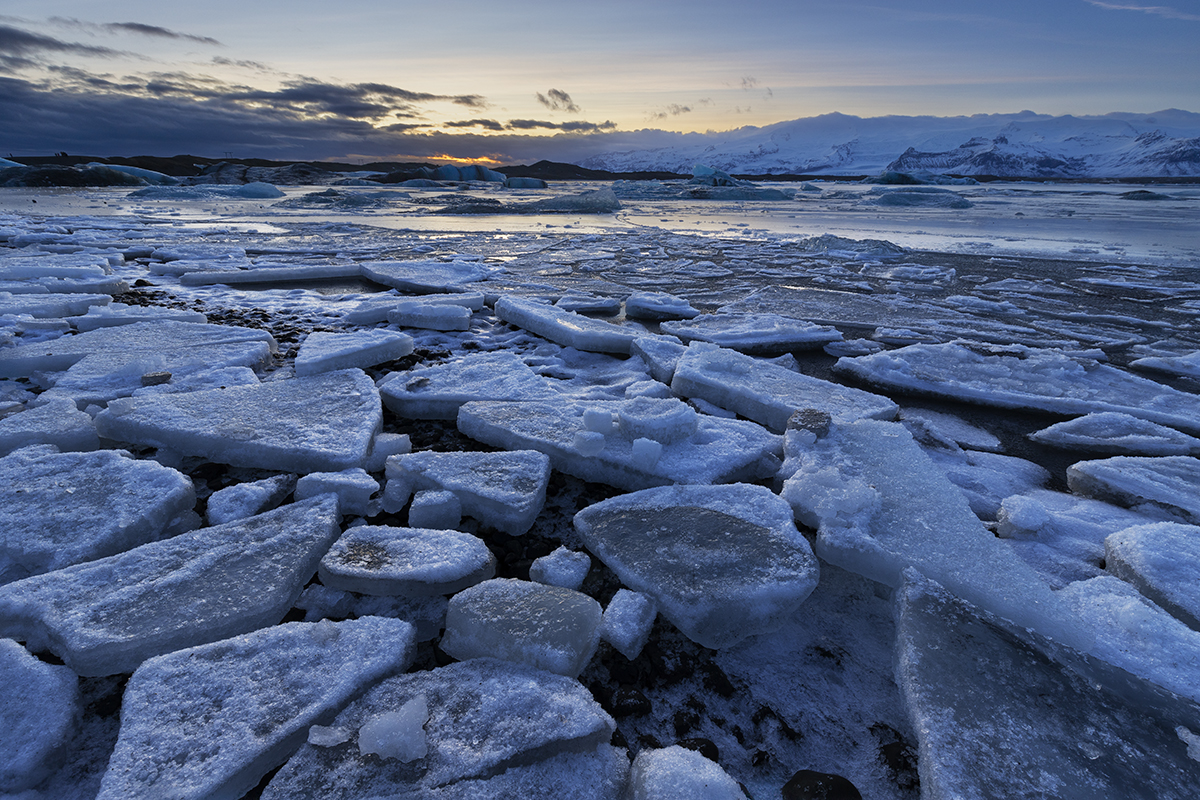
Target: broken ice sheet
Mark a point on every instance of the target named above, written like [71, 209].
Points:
[381, 560]
[327, 352]
[437, 392]
[996, 717]
[425, 276]
[1163, 561]
[57, 422]
[40, 706]
[495, 729]
[1167, 486]
[759, 334]
[721, 562]
[1117, 434]
[107, 616]
[567, 328]
[211, 721]
[59, 509]
[322, 423]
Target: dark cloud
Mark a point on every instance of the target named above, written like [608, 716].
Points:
[257, 66]
[154, 30]
[673, 110]
[17, 43]
[487, 124]
[557, 100]
[568, 127]
[749, 82]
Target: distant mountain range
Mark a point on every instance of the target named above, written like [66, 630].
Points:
[1022, 145]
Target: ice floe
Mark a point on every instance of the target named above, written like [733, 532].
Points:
[1167, 485]
[379, 560]
[1118, 434]
[41, 707]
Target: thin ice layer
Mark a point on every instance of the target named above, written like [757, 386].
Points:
[1043, 380]
[322, 423]
[567, 328]
[59, 509]
[1169, 484]
[996, 717]
[722, 562]
[413, 562]
[768, 393]
[211, 721]
[880, 505]
[110, 615]
[495, 729]
[437, 392]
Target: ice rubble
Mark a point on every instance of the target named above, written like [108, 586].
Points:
[495, 729]
[107, 616]
[40, 704]
[321, 423]
[211, 721]
[1165, 484]
[59, 509]
[721, 562]
[413, 562]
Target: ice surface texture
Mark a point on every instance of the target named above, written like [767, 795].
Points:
[1163, 561]
[1167, 485]
[208, 722]
[754, 333]
[40, 707]
[437, 392]
[326, 352]
[375, 559]
[567, 328]
[425, 276]
[722, 562]
[675, 772]
[1118, 434]
[323, 423]
[110, 615]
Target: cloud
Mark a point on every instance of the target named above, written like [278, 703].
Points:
[17, 43]
[567, 127]
[748, 83]
[154, 30]
[557, 100]
[487, 124]
[1160, 11]
[672, 110]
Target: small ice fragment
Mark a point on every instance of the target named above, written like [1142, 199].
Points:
[435, 509]
[646, 453]
[599, 420]
[589, 443]
[627, 622]
[321, 736]
[397, 734]
[563, 567]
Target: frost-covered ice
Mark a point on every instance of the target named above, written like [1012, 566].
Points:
[1118, 434]
[379, 560]
[40, 705]
[435, 508]
[658, 306]
[985, 479]
[437, 392]
[424, 276]
[567, 328]
[674, 772]
[754, 333]
[353, 488]
[627, 622]
[1165, 484]
[327, 352]
[431, 316]
[563, 567]
[1163, 561]
[108, 616]
[722, 562]
[58, 422]
[247, 499]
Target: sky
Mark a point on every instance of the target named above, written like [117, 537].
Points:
[506, 82]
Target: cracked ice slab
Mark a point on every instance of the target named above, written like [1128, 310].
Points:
[1163, 561]
[719, 451]
[996, 717]
[1117, 434]
[722, 562]
[503, 490]
[410, 562]
[58, 422]
[425, 276]
[437, 392]
[41, 708]
[327, 352]
[49, 306]
[768, 334]
[108, 616]
[567, 328]
[1023, 378]
[1162, 485]
[495, 729]
[320, 423]
[59, 509]
[880, 505]
[209, 722]
[768, 393]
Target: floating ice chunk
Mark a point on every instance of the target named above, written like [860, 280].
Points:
[721, 450]
[505, 491]
[1118, 434]
[59, 509]
[375, 309]
[754, 333]
[495, 729]
[656, 306]
[722, 562]
[595, 201]
[244, 500]
[58, 423]
[321, 423]
[566, 328]
[108, 616]
[1167, 484]
[628, 621]
[437, 392]
[120, 314]
[675, 772]
[768, 393]
[996, 718]
[384, 447]
[880, 505]
[427, 615]
[431, 316]
[1034, 379]
[211, 721]
[1187, 365]
[563, 567]
[326, 352]
[662, 420]
[416, 562]
[41, 708]
[853, 347]
[353, 488]
[322, 736]
[548, 627]
[987, 478]
[660, 353]
[269, 274]
[645, 453]
[589, 304]
[397, 734]
[424, 276]
[1163, 561]
[44, 306]
[947, 430]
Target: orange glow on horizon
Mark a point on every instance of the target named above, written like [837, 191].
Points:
[485, 160]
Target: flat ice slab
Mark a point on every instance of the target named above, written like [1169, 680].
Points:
[1115, 433]
[721, 562]
[768, 393]
[373, 310]
[268, 274]
[437, 392]
[211, 721]
[50, 306]
[40, 706]
[414, 562]
[547, 627]
[120, 314]
[880, 505]
[322, 423]
[996, 718]
[761, 334]
[325, 352]
[1168, 485]
[1163, 561]
[424, 276]
[58, 422]
[567, 328]
[430, 316]
[505, 491]
[495, 729]
[720, 450]
[59, 509]
[657, 306]
[107, 616]
[1035, 379]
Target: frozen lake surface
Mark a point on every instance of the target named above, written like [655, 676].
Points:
[824, 521]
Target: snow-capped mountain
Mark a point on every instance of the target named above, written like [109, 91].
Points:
[1163, 144]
